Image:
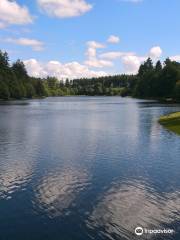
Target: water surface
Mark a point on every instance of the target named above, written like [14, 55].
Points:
[81, 168]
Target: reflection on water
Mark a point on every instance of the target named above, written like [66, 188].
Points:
[56, 191]
[87, 168]
[129, 205]
[18, 149]
[14, 176]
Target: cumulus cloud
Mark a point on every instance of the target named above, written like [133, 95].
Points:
[64, 8]
[115, 55]
[94, 44]
[91, 52]
[98, 63]
[130, 60]
[33, 43]
[132, 63]
[2, 25]
[113, 39]
[175, 58]
[12, 13]
[57, 69]
[155, 52]
[92, 59]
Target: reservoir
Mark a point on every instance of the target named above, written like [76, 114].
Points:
[81, 168]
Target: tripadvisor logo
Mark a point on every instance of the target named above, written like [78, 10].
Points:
[139, 231]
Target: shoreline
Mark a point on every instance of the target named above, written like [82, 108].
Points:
[160, 100]
[171, 122]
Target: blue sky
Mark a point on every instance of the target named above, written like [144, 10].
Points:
[83, 38]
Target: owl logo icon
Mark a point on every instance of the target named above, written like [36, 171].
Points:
[139, 231]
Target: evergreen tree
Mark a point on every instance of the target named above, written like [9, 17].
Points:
[177, 90]
[4, 91]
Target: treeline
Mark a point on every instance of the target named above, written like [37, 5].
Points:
[158, 81]
[16, 84]
[109, 86]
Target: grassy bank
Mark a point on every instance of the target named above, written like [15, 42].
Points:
[171, 122]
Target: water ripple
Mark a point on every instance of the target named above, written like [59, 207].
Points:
[14, 176]
[126, 206]
[57, 191]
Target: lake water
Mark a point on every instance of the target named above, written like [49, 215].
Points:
[81, 168]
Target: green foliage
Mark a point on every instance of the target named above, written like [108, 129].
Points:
[104, 86]
[30, 91]
[19, 69]
[15, 82]
[171, 122]
[4, 91]
[157, 81]
[152, 81]
[177, 90]
[4, 60]
[52, 83]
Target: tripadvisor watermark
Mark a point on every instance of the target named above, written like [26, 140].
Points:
[139, 231]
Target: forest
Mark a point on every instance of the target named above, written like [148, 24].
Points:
[15, 82]
[153, 81]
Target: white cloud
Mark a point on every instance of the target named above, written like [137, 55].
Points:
[64, 8]
[130, 60]
[12, 13]
[2, 25]
[115, 55]
[113, 39]
[70, 70]
[35, 68]
[33, 43]
[98, 63]
[155, 52]
[175, 58]
[91, 53]
[132, 63]
[94, 44]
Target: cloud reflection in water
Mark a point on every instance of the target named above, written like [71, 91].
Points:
[57, 191]
[13, 176]
[133, 204]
